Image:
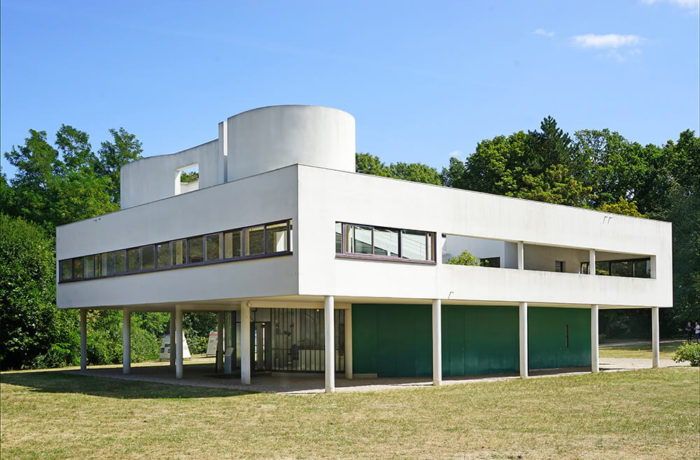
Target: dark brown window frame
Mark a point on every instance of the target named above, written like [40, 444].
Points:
[186, 264]
[430, 245]
[609, 262]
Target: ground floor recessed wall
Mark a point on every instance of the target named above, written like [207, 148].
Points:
[396, 340]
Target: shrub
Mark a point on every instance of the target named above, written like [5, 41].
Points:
[465, 258]
[688, 352]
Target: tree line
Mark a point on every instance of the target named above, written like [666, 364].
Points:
[67, 180]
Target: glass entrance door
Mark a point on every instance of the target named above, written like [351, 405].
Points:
[260, 338]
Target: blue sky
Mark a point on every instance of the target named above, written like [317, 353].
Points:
[424, 80]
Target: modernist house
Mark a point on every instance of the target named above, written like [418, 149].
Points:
[315, 268]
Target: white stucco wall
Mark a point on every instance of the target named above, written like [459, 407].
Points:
[329, 196]
[251, 201]
[153, 178]
[268, 138]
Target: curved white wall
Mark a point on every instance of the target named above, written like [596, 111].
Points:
[269, 138]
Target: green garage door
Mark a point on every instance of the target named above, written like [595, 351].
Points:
[559, 337]
[392, 340]
[479, 340]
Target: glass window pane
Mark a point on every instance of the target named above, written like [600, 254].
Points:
[107, 264]
[602, 268]
[621, 268]
[148, 261]
[232, 244]
[163, 255]
[414, 245]
[386, 242]
[133, 260]
[89, 266]
[214, 246]
[642, 268]
[584, 268]
[254, 243]
[359, 239]
[276, 238]
[338, 237]
[66, 269]
[78, 268]
[179, 252]
[119, 261]
[195, 250]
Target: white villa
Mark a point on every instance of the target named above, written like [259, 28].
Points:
[313, 267]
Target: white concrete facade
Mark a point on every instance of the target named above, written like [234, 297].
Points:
[296, 163]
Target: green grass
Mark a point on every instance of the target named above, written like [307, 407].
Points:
[648, 413]
[666, 350]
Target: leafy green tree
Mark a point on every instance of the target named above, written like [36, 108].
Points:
[415, 172]
[366, 163]
[624, 207]
[122, 149]
[33, 330]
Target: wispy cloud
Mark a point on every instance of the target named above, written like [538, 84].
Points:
[689, 4]
[543, 33]
[455, 154]
[606, 41]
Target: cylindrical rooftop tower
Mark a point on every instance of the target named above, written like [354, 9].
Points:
[273, 137]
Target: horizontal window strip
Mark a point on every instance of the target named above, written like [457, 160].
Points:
[260, 241]
[384, 243]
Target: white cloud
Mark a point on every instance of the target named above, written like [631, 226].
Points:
[456, 154]
[606, 41]
[543, 33]
[689, 4]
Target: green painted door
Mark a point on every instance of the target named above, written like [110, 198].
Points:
[392, 340]
[479, 340]
[559, 337]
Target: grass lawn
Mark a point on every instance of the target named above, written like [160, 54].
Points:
[666, 350]
[647, 413]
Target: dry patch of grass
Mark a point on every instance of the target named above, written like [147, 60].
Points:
[648, 413]
[642, 351]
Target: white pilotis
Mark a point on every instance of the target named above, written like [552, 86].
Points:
[521, 255]
[654, 337]
[228, 335]
[178, 342]
[172, 339]
[591, 261]
[522, 316]
[329, 324]
[437, 342]
[595, 367]
[83, 339]
[348, 343]
[126, 342]
[219, 342]
[245, 343]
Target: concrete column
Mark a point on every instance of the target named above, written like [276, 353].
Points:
[219, 342]
[83, 339]
[228, 348]
[178, 342]
[172, 339]
[595, 367]
[329, 326]
[521, 255]
[348, 343]
[245, 343]
[437, 342]
[591, 261]
[522, 316]
[126, 342]
[654, 337]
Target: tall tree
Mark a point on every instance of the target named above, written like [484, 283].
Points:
[122, 149]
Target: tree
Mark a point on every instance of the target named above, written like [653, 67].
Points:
[69, 182]
[124, 148]
[366, 163]
[33, 330]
